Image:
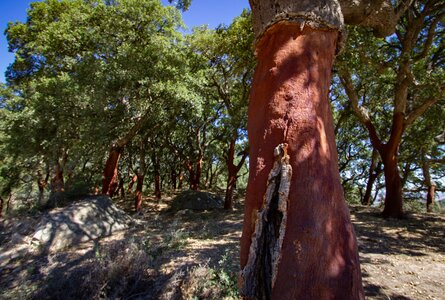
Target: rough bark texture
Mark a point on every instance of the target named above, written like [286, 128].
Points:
[289, 103]
[110, 172]
[257, 278]
[380, 15]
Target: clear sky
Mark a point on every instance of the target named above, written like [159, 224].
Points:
[210, 12]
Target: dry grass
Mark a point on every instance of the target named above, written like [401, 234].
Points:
[194, 255]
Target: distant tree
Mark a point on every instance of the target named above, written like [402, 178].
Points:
[229, 53]
[391, 82]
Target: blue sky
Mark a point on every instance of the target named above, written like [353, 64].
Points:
[210, 12]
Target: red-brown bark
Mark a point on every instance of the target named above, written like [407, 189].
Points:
[57, 181]
[138, 193]
[194, 173]
[109, 181]
[289, 103]
[393, 183]
[430, 198]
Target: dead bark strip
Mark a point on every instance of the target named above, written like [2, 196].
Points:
[258, 276]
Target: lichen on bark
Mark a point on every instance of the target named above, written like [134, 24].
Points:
[258, 276]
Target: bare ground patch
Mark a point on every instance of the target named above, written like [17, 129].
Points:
[194, 255]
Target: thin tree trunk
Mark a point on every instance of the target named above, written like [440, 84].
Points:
[289, 104]
[133, 180]
[140, 178]
[120, 188]
[198, 173]
[57, 185]
[181, 180]
[429, 183]
[1, 206]
[373, 174]
[8, 203]
[232, 171]
[42, 183]
[173, 178]
[110, 171]
[430, 197]
[138, 193]
[157, 175]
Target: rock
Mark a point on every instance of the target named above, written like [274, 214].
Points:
[196, 200]
[82, 221]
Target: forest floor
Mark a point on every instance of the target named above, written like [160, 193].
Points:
[194, 255]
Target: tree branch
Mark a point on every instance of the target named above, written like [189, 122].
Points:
[421, 109]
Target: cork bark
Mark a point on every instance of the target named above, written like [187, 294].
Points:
[289, 104]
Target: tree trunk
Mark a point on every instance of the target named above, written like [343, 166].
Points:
[181, 180]
[140, 178]
[134, 179]
[173, 178]
[1, 206]
[138, 193]
[157, 175]
[430, 198]
[232, 171]
[393, 186]
[57, 185]
[195, 172]
[198, 173]
[289, 103]
[373, 174]
[41, 184]
[120, 188]
[110, 172]
[231, 182]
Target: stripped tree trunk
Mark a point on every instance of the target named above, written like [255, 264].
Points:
[232, 171]
[110, 171]
[298, 241]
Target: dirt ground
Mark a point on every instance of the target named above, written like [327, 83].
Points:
[194, 255]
